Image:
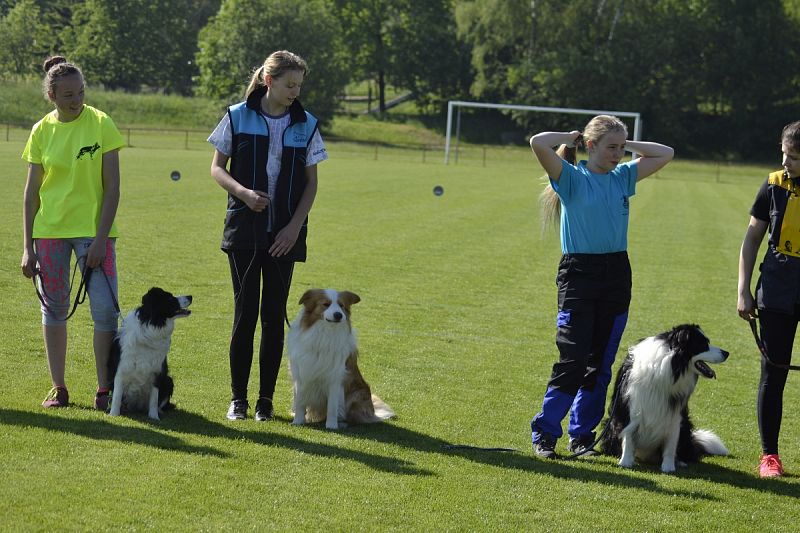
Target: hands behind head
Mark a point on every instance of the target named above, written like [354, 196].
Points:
[577, 139]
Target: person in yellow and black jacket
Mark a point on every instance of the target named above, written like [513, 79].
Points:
[273, 146]
[776, 209]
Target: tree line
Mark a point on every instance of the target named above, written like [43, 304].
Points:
[711, 77]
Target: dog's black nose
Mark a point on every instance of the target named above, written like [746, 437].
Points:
[337, 316]
[724, 354]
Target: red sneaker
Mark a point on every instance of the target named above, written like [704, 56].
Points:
[57, 397]
[101, 400]
[770, 466]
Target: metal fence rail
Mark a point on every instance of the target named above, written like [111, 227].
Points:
[486, 156]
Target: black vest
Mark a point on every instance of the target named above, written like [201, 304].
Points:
[244, 228]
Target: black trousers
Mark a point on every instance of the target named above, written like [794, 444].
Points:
[593, 290]
[777, 333]
[252, 300]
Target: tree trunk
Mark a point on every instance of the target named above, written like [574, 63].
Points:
[381, 91]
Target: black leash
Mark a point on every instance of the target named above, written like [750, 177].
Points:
[588, 449]
[573, 456]
[83, 288]
[468, 447]
[763, 350]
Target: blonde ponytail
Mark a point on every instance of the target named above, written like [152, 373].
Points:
[549, 203]
[276, 65]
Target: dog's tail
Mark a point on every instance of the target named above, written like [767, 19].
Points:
[709, 442]
[382, 411]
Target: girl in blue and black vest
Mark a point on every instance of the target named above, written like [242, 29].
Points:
[273, 146]
[776, 210]
[590, 201]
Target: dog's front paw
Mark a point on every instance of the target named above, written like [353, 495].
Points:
[298, 421]
[668, 467]
[332, 425]
[154, 416]
[625, 462]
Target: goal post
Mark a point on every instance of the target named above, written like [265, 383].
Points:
[637, 124]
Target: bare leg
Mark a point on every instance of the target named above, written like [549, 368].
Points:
[55, 344]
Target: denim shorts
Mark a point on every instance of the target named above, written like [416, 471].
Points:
[55, 265]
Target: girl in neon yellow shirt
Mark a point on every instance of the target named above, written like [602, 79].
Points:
[71, 198]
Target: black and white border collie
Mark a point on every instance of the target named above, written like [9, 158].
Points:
[649, 413]
[137, 363]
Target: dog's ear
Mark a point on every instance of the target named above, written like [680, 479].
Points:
[149, 295]
[349, 298]
[308, 295]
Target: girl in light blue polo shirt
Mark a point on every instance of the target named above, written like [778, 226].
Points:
[590, 200]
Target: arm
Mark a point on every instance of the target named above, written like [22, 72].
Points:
[30, 207]
[287, 236]
[97, 250]
[747, 260]
[542, 145]
[255, 200]
[653, 158]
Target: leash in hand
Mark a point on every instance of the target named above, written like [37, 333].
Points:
[762, 348]
[83, 288]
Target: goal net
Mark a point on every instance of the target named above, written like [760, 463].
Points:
[458, 105]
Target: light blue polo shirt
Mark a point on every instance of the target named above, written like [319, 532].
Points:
[595, 208]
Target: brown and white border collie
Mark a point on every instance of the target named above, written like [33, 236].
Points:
[323, 360]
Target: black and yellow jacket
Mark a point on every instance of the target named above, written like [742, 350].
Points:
[244, 228]
[778, 203]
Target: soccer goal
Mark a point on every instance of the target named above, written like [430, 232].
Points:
[637, 124]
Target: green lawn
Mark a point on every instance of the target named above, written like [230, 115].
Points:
[456, 334]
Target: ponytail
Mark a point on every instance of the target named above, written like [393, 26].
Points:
[256, 81]
[549, 203]
[276, 65]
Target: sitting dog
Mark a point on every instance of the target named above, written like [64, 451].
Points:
[649, 414]
[137, 363]
[323, 360]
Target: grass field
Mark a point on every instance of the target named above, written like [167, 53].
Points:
[456, 334]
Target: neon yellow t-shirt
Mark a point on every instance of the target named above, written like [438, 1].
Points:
[71, 194]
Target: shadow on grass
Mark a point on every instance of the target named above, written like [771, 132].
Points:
[714, 473]
[191, 423]
[103, 430]
[186, 422]
[579, 470]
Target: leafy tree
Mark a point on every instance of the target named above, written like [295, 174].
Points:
[410, 43]
[702, 72]
[24, 40]
[427, 57]
[500, 34]
[367, 31]
[237, 40]
[125, 45]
